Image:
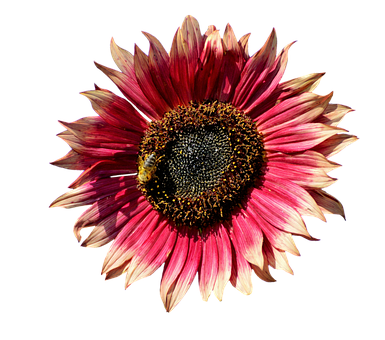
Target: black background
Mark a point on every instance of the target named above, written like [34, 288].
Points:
[321, 289]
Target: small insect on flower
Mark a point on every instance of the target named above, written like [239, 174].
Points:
[147, 168]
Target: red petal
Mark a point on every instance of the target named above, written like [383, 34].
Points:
[116, 111]
[152, 254]
[208, 270]
[267, 82]
[334, 144]
[131, 238]
[143, 76]
[233, 61]
[249, 238]
[131, 90]
[299, 138]
[105, 207]
[209, 66]
[185, 51]
[241, 270]
[300, 110]
[327, 203]
[255, 66]
[174, 294]
[333, 114]
[224, 261]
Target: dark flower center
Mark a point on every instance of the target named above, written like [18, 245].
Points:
[198, 162]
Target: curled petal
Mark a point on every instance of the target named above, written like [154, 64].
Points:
[327, 203]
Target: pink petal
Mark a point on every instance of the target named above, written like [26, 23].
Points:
[300, 110]
[249, 238]
[75, 161]
[298, 197]
[143, 76]
[241, 270]
[333, 114]
[335, 144]
[327, 203]
[299, 138]
[286, 90]
[130, 88]
[224, 261]
[116, 111]
[106, 150]
[233, 61]
[175, 292]
[265, 273]
[125, 61]
[209, 66]
[105, 169]
[92, 191]
[110, 226]
[96, 130]
[244, 45]
[159, 63]
[305, 176]
[105, 207]
[130, 239]
[308, 158]
[185, 51]
[254, 68]
[267, 82]
[278, 213]
[152, 254]
[276, 258]
[279, 239]
[208, 270]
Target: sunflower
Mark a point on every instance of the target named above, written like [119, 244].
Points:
[208, 164]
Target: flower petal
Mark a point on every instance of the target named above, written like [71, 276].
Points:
[241, 269]
[185, 51]
[267, 82]
[279, 239]
[175, 292]
[209, 66]
[233, 61]
[279, 214]
[152, 254]
[116, 111]
[298, 197]
[299, 138]
[105, 207]
[131, 237]
[224, 261]
[93, 191]
[159, 63]
[334, 144]
[131, 90]
[292, 112]
[327, 203]
[208, 270]
[333, 114]
[143, 76]
[249, 238]
[253, 70]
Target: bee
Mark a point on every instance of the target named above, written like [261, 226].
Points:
[147, 168]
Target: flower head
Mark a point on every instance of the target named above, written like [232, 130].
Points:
[217, 180]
